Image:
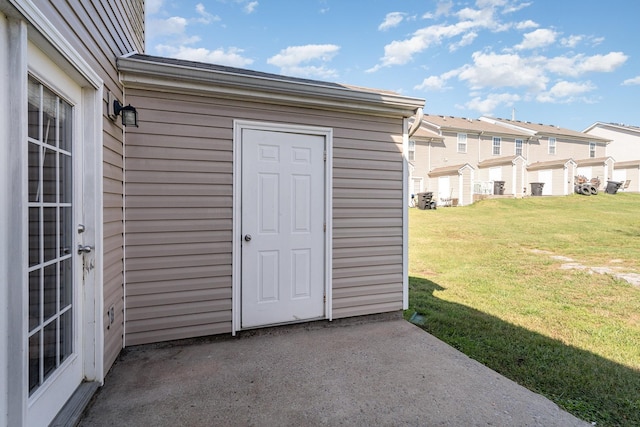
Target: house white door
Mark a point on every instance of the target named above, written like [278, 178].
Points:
[54, 354]
[546, 177]
[283, 191]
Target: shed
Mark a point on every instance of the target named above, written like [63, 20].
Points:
[629, 174]
[557, 176]
[253, 199]
[599, 167]
[510, 169]
[453, 184]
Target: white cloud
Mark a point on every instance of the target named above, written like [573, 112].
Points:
[205, 17]
[152, 6]
[393, 19]
[525, 25]
[466, 40]
[504, 70]
[536, 39]
[433, 84]
[470, 22]
[571, 41]
[580, 64]
[231, 57]
[250, 7]
[633, 81]
[173, 26]
[516, 7]
[295, 60]
[565, 92]
[487, 105]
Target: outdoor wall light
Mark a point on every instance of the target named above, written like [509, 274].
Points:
[129, 113]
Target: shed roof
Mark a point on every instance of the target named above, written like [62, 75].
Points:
[468, 125]
[593, 161]
[146, 71]
[497, 161]
[449, 170]
[551, 164]
[628, 164]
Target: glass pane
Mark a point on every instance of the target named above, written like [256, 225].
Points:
[66, 335]
[34, 109]
[34, 173]
[66, 236]
[50, 233]
[66, 282]
[49, 176]
[49, 348]
[66, 184]
[34, 299]
[34, 362]
[66, 126]
[34, 236]
[49, 117]
[50, 291]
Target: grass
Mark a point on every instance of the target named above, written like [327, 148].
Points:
[488, 280]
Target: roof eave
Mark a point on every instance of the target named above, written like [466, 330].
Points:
[140, 73]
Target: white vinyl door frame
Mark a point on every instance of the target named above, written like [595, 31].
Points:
[238, 127]
[33, 45]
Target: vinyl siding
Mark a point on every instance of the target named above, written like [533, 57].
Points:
[102, 31]
[179, 212]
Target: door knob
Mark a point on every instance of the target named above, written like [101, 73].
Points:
[84, 249]
[247, 237]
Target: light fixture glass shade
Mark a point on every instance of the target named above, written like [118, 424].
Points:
[129, 116]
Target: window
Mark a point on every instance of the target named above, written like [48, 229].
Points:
[592, 149]
[412, 150]
[462, 143]
[519, 144]
[552, 146]
[497, 141]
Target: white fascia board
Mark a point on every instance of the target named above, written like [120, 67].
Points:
[139, 73]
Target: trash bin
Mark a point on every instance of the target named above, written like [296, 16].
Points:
[612, 187]
[498, 188]
[536, 188]
[425, 200]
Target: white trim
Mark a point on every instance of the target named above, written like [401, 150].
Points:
[238, 127]
[16, 236]
[6, 194]
[49, 39]
[26, 24]
[405, 218]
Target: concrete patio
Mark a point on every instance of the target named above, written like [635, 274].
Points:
[386, 372]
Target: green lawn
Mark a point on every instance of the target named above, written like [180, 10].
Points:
[489, 280]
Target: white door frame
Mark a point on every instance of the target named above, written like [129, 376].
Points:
[31, 43]
[236, 279]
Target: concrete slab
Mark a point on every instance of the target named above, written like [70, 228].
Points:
[381, 373]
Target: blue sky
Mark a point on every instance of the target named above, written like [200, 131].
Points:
[568, 63]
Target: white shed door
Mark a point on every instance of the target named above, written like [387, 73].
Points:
[546, 176]
[444, 187]
[282, 227]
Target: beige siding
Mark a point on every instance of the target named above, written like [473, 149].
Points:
[179, 212]
[102, 31]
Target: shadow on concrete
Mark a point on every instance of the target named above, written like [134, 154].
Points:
[587, 385]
